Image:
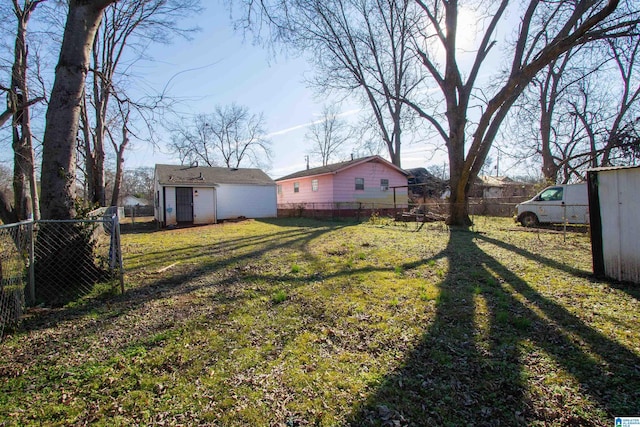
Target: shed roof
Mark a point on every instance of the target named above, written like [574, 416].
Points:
[338, 167]
[611, 168]
[203, 176]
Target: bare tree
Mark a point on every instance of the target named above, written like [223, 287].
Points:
[231, 136]
[626, 56]
[357, 47]
[329, 134]
[584, 101]
[546, 126]
[546, 31]
[25, 192]
[63, 113]
[119, 146]
[627, 142]
[138, 182]
[128, 28]
[549, 90]
[180, 145]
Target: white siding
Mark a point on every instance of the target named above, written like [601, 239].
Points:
[619, 207]
[250, 201]
[169, 205]
[204, 206]
[157, 200]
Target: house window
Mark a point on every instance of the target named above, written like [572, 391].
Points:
[296, 187]
[279, 188]
[314, 185]
[359, 183]
[384, 184]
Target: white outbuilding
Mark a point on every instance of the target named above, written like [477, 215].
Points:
[614, 203]
[206, 195]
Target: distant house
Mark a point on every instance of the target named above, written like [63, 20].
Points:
[206, 195]
[370, 180]
[136, 206]
[423, 183]
[129, 201]
[488, 186]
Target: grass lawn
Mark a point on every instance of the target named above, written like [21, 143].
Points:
[297, 322]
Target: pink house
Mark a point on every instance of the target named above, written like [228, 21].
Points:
[372, 182]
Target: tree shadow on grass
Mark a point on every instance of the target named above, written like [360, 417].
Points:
[631, 289]
[492, 339]
[185, 279]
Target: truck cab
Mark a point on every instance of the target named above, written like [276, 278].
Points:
[565, 203]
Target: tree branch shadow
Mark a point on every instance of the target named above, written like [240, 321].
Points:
[473, 364]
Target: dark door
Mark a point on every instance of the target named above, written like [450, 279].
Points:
[184, 204]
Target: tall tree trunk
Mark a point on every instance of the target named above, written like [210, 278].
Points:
[85, 131]
[24, 176]
[549, 167]
[458, 180]
[395, 152]
[117, 184]
[97, 155]
[59, 148]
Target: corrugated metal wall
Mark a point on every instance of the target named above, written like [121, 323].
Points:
[619, 199]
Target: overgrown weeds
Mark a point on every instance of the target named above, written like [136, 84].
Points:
[296, 322]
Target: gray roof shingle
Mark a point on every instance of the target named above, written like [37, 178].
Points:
[335, 167]
[202, 176]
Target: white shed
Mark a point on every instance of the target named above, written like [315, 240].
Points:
[614, 203]
[206, 195]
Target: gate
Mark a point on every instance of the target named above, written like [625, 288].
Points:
[184, 204]
[35, 260]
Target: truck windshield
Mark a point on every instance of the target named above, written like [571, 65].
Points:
[554, 193]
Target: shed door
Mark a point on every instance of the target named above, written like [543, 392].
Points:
[184, 204]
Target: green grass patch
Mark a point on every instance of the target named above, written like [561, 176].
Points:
[279, 297]
[302, 322]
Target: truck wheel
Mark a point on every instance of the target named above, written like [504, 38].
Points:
[529, 220]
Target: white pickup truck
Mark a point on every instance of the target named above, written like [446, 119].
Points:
[566, 203]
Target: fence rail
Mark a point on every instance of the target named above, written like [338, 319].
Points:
[53, 262]
[138, 211]
[16, 250]
[502, 206]
[338, 210]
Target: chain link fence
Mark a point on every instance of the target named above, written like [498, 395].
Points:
[16, 249]
[55, 262]
[339, 210]
[503, 206]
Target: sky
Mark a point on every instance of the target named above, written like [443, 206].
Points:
[220, 66]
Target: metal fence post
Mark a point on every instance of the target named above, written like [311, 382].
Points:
[121, 266]
[32, 270]
[116, 252]
[566, 221]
